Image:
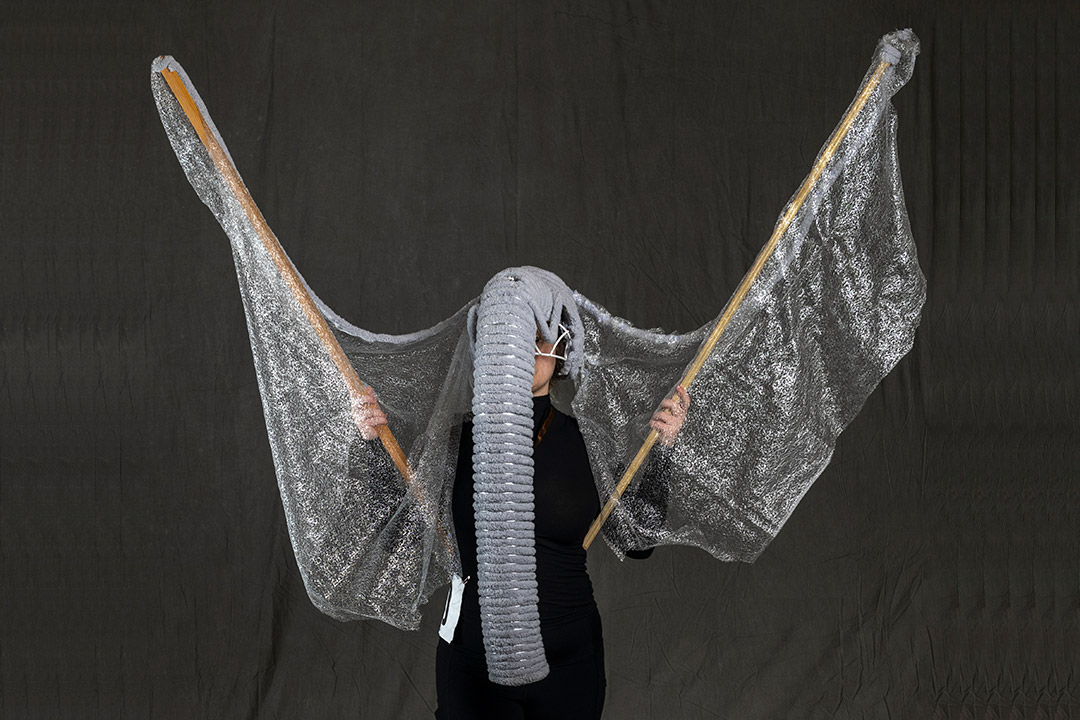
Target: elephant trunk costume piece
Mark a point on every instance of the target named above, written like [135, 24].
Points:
[832, 305]
[515, 305]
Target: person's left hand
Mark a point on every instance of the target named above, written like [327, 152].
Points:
[668, 420]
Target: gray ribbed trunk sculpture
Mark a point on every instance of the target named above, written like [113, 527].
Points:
[513, 305]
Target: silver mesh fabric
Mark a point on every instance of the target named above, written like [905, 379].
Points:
[367, 546]
[834, 309]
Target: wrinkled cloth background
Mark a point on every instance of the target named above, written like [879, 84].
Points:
[404, 153]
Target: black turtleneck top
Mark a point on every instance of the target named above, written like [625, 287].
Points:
[565, 503]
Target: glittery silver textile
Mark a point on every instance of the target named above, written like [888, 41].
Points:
[834, 309]
[365, 546]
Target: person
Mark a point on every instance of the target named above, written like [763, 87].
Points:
[565, 505]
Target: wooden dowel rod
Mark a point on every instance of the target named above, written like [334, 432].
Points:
[744, 287]
[355, 385]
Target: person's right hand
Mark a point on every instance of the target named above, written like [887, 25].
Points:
[367, 414]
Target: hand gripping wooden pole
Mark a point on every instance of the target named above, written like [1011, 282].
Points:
[355, 385]
[744, 287]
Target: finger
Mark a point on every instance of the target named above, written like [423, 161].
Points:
[666, 437]
[662, 418]
[367, 418]
[668, 418]
[680, 403]
[672, 407]
[369, 430]
[663, 427]
[372, 415]
[360, 401]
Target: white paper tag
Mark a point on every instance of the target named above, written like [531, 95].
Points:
[453, 608]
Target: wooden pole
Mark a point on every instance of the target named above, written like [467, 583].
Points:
[288, 272]
[292, 279]
[744, 287]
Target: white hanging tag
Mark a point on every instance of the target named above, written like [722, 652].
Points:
[453, 608]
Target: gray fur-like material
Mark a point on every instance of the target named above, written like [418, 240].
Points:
[515, 305]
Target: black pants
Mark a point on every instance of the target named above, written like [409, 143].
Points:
[573, 690]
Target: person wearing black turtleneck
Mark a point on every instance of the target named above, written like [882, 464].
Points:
[565, 503]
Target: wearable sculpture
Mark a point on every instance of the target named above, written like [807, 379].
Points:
[513, 305]
[828, 309]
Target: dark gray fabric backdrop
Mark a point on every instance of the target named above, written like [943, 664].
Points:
[404, 152]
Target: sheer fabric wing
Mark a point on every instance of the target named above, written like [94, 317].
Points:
[367, 545]
[834, 309]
